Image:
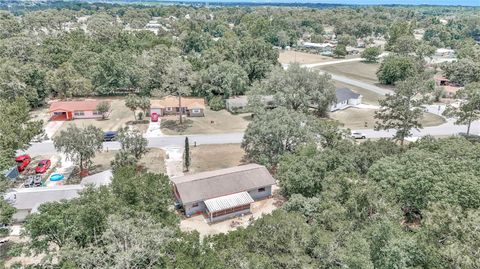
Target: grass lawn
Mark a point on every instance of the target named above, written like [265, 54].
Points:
[119, 117]
[213, 157]
[365, 72]
[153, 161]
[214, 122]
[368, 97]
[290, 56]
[355, 118]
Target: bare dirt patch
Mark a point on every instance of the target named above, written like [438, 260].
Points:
[213, 157]
[214, 122]
[355, 118]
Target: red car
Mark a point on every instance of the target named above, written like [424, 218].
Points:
[154, 117]
[22, 162]
[42, 166]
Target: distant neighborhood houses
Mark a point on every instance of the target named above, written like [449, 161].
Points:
[345, 98]
[169, 105]
[78, 109]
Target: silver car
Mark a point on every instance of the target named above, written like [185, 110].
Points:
[358, 135]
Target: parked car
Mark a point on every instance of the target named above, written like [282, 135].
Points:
[22, 162]
[10, 196]
[28, 182]
[42, 166]
[37, 180]
[154, 117]
[109, 136]
[358, 135]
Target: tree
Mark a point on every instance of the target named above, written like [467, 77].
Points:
[132, 102]
[340, 51]
[463, 71]
[298, 89]
[276, 132]
[126, 243]
[16, 129]
[144, 104]
[179, 81]
[225, 78]
[371, 54]
[79, 145]
[66, 82]
[186, 155]
[469, 108]
[406, 45]
[144, 192]
[396, 68]
[403, 110]
[133, 142]
[103, 108]
[123, 158]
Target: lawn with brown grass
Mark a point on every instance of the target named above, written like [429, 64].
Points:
[153, 161]
[213, 157]
[214, 122]
[365, 72]
[290, 56]
[355, 118]
[120, 116]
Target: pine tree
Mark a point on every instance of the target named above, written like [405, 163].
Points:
[186, 155]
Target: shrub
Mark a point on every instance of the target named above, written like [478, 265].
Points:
[216, 103]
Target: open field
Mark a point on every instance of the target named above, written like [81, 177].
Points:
[153, 161]
[214, 122]
[119, 117]
[368, 97]
[290, 56]
[355, 118]
[365, 72]
[213, 157]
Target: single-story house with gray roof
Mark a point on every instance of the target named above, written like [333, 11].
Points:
[223, 193]
[345, 98]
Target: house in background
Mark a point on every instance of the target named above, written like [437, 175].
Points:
[239, 104]
[69, 110]
[345, 98]
[450, 89]
[169, 105]
[224, 193]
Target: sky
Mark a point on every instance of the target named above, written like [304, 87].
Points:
[366, 2]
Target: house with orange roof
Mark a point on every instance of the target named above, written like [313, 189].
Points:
[171, 105]
[78, 109]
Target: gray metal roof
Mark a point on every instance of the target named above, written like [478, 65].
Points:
[228, 201]
[98, 179]
[29, 198]
[344, 94]
[208, 185]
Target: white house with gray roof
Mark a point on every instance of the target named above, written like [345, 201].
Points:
[345, 98]
[223, 193]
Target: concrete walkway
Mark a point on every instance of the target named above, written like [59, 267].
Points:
[154, 129]
[174, 161]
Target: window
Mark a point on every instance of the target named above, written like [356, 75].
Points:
[79, 113]
[195, 110]
[169, 109]
[58, 113]
[194, 204]
[261, 190]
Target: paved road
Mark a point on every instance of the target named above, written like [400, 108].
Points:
[47, 147]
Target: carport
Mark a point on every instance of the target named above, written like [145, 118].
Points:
[227, 206]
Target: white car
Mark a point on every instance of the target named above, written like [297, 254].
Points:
[358, 135]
